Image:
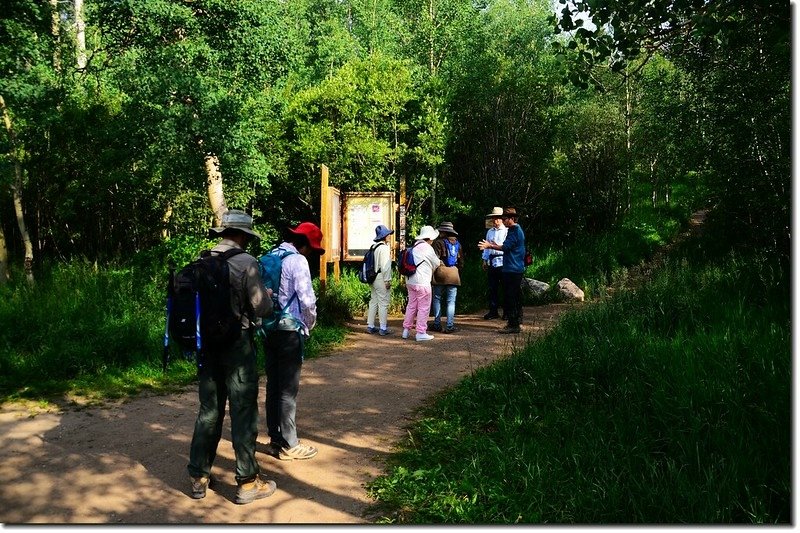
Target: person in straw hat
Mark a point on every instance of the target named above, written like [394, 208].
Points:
[284, 348]
[513, 249]
[419, 285]
[231, 374]
[380, 295]
[493, 261]
[447, 280]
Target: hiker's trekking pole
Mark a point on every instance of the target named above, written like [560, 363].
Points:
[165, 356]
[197, 336]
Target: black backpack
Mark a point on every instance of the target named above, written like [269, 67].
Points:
[199, 313]
[367, 272]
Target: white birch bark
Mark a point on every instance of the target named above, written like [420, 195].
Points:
[216, 195]
[80, 35]
[55, 30]
[16, 190]
[4, 271]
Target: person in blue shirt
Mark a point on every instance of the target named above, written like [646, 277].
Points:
[513, 248]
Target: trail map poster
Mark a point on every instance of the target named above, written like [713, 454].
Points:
[362, 212]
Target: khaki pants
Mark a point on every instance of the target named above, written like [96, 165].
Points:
[379, 300]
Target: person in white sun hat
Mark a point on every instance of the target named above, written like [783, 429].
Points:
[420, 292]
[493, 262]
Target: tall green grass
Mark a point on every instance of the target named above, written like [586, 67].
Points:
[97, 332]
[594, 261]
[76, 321]
[666, 405]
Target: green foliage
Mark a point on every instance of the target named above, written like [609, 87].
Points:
[731, 123]
[77, 321]
[98, 332]
[352, 121]
[649, 408]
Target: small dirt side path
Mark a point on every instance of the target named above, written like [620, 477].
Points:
[125, 463]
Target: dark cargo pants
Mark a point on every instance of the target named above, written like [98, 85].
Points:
[228, 374]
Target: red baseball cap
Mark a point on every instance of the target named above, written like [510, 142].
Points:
[312, 233]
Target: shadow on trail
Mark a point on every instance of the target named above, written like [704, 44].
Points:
[127, 463]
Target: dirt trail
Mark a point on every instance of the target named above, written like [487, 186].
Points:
[125, 463]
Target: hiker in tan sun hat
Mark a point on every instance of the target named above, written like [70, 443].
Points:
[493, 261]
[513, 248]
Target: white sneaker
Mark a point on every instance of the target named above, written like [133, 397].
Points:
[405, 333]
[424, 337]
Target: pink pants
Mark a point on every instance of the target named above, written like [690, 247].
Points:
[419, 304]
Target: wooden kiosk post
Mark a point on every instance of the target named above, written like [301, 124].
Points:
[330, 222]
[325, 224]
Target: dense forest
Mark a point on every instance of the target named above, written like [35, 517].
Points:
[129, 124]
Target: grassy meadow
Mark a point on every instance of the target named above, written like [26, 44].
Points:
[666, 404]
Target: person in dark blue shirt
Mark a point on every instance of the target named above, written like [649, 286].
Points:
[513, 248]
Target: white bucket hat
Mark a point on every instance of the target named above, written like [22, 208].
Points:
[427, 232]
[238, 220]
[497, 212]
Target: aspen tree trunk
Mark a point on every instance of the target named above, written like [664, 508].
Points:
[216, 195]
[16, 190]
[4, 273]
[80, 35]
[432, 70]
[55, 30]
[165, 222]
[628, 142]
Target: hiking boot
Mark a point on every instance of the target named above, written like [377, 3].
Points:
[509, 329]
[298, 453]
[384, 332]
[255, 490]
[273, 449]
[450, 329]
[199, 486]
[490, 315]
[424, 337]
[371, 330]
[405, 333]
[435, 327]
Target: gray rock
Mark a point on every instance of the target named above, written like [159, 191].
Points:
[534, 287]
[568, 291]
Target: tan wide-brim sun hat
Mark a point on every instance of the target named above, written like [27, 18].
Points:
[235, 219]
[427, 232]
[497, 212]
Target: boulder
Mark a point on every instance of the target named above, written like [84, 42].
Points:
[534, 287]
[568, 291]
